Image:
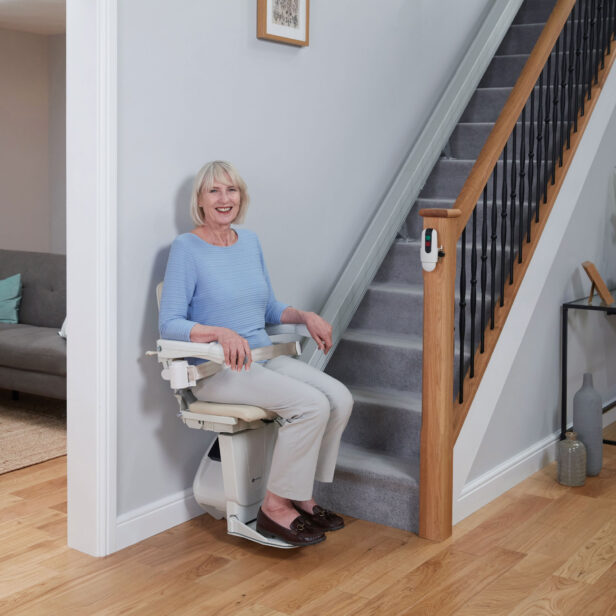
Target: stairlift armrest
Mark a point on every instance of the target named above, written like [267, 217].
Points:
[177, 349]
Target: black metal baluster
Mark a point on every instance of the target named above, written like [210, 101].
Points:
[493, 237]
[531, 158]
[539, 141]
[608, 26]
[585, 54]
[473, 289]
[462, 317]
[503, 227]
[512, 204]
[602, 35]
[563, 97]
[593, 44]
[578, 63]
[484, 266]
[571, 77]
[522, 186]
[546, 132]
[555, 110]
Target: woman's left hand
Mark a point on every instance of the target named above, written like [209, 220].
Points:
[320, 330]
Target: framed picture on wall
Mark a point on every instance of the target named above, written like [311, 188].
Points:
[284, 21]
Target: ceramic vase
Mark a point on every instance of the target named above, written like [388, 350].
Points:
[588, 424]
[571, 461]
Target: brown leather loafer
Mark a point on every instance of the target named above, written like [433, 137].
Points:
[322, 518]
[301, 531]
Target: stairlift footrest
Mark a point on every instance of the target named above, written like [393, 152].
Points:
[249, 531]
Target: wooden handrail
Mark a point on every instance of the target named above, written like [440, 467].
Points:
[491, 151]
[440, 213]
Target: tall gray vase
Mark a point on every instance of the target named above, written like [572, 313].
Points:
[588, 423]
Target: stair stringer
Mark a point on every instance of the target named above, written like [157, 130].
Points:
[470, 496]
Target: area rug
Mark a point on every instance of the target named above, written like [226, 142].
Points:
[32, 430]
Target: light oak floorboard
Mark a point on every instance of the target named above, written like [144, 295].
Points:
[540, 548]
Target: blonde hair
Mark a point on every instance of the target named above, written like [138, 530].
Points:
[217, 171]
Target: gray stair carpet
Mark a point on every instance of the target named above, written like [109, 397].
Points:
[380, 355]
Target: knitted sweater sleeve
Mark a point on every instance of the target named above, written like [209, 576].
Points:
[178, 290]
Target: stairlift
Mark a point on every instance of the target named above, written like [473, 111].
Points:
[232, 476]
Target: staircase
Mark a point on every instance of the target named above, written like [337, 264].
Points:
[380, 355]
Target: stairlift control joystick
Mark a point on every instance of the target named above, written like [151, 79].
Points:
[430, 251]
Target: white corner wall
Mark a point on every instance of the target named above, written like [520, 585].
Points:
[318, 133]
[514, 422]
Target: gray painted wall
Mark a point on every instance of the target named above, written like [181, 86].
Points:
[528, 409]
[318, 134]
[33, 141]
[57, 142]
[24, 129]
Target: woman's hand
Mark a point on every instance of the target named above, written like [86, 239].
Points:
[235, 348]
[320, 330]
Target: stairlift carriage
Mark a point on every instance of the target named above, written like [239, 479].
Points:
[232, 476]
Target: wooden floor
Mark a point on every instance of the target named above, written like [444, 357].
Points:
[540, 548]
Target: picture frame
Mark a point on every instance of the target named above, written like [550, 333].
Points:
[284, 21]
[597, 283]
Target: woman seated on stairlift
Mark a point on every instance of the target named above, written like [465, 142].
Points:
[217, 289]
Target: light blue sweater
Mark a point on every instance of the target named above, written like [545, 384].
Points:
[223, 286]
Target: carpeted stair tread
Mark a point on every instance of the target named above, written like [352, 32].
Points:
[381, 301]
[520, 39]
[373, 486]
[380, 338]
[365, 358]
[370, 462]
[486, 103]
[468, 138]
[534, 11]
[385, 420]
[410, 401]
[505, 70]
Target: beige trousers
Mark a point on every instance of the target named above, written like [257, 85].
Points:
[315, 409]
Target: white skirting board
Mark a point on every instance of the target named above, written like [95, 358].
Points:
[485, 488]
[156, 517]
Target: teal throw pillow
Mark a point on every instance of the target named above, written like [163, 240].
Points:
[10, 296]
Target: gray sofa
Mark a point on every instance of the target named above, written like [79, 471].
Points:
[32, 354]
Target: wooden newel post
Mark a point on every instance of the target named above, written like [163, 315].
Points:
[436, 474]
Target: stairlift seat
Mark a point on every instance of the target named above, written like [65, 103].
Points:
[244, 412]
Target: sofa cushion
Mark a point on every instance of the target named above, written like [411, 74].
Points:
[28, 347]
[10, 296]
[43, 279]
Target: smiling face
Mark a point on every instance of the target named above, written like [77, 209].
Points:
[220, 202]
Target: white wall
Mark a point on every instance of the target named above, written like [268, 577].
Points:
[528, 409]
[32, 142]
[24, 127]
[318, 134]
[57, 142]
